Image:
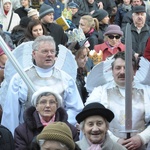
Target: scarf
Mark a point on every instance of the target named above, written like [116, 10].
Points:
[94, 146]
[112, 47]
[89, 33]
[126, 7]
[6, 12]
[46, 123]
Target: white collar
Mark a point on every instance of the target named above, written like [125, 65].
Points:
[44, 72]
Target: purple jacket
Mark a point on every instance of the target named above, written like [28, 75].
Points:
[32, 126]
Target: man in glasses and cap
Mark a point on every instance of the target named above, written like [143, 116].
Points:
[139, 29]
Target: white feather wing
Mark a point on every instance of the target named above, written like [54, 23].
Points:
[23, 54]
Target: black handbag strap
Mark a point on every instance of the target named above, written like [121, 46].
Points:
[10, 21]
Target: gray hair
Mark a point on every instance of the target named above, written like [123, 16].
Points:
[41, 142]
[40, 39]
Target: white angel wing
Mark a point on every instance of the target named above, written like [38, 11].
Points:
[23, 53]
[99, 75]
[66, 61]
[143, 73]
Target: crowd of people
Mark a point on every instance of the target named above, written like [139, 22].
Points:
[60, 112]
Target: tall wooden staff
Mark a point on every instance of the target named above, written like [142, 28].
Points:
[17, 65]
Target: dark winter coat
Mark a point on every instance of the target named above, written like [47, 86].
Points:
[107, 5]
[22, 12]
[57, 32]
[76, 18]
[81, 74]
[138, 39]
[119, 15]
[102, 28]
[32, 126]
[92, 38]
[87, 7]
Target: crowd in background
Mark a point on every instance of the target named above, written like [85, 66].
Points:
[104, 26]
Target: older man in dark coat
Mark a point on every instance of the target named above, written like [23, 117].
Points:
[139, 29]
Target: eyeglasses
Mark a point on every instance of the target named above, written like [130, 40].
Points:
[46, 52]
[44, 102]
[114, 36]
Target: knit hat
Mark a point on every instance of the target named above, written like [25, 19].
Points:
[100, 14]
[33, 12]
[58, 131]
[137, 9]
[43, 90]
[113, 29]
[44, 10]
[95, 109]
[73, 5]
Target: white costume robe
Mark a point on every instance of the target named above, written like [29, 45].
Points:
[113, 98]
[5, 19]
[18, 94]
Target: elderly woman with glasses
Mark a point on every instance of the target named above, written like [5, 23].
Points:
[112, 42]
[46, 109]
[94, 122]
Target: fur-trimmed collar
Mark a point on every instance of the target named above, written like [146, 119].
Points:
[31, 117]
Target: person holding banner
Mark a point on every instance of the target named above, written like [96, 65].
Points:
[42, 73]
[112, 96]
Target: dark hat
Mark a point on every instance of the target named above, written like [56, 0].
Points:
[113, 29]
[100, 14]
[137, 9]
[73, 5]
[25, 21]
[95, 109]
[80, 44]
[44, 10]
[57, 131]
